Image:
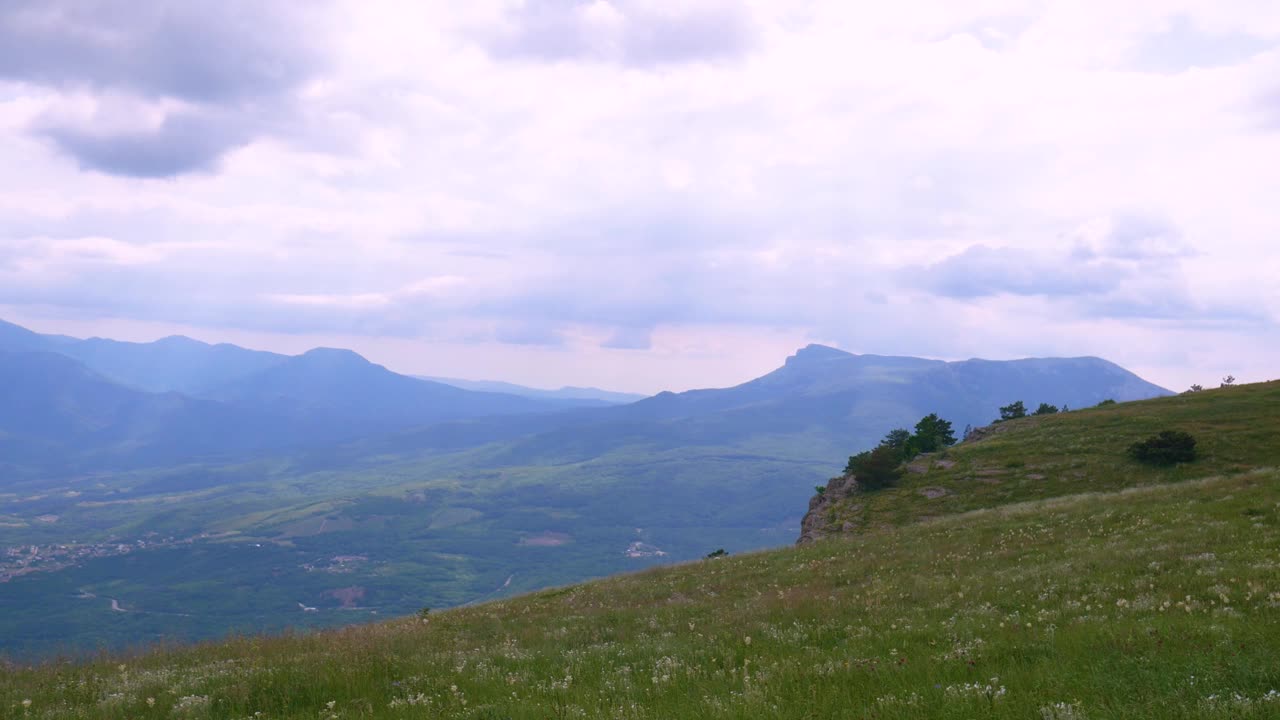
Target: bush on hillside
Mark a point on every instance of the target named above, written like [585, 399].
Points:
[1046, 409]
[1013, 411]
[900, 440]
[879, 467]
[1168, 448]
[876, 469]
[933, 433]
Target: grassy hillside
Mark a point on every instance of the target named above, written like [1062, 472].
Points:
[1106, 601]
[1237, 429]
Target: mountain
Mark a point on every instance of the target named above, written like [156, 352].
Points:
[826, 400]
[440, 500]
[316, 398]
[16, 338]
[365, 397]
[174, 363]
[1026, 591]
[588, 395]
[899, 388]
[57, 413]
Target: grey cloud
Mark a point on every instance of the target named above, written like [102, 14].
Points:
[193, 298]
[682, 270]
[982, 271]
[1265, 108]
[630, 339]
[1131, 272]
[183, 143]
[641, 35]
[1134, 236]
[1182, 46]
[235, 66]
[543, 293]
[200, 50]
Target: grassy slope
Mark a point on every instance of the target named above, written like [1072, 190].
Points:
[1152, 602]
[1238, 429]
[1146, 604]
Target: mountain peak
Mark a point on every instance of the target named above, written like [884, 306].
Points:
[180, 341]
[814, 353]
[334, 356]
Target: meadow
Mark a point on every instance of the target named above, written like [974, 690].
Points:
[1156, 601]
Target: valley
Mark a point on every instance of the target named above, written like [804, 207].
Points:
[222, 513]
[1054, 578]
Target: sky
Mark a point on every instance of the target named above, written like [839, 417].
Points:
[650, 195]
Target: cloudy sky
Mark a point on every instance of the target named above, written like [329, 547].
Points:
[646, 195]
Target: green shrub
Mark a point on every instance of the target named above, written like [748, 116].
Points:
[876, 469]
[1013, 411]
[1168, 448]
[933, 433]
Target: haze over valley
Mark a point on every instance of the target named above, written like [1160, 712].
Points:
[210, 488]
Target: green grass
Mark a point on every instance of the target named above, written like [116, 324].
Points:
[1237, 429]
[1127, 593]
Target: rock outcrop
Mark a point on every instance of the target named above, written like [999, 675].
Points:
[832, 511]
[819, 521]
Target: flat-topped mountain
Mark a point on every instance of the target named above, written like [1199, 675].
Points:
[824, 397]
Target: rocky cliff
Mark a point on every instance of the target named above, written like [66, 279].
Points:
[821, 519]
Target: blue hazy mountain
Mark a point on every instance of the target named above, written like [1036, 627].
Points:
[822, 399]
[366, 397]
[588, 395]
[66, 402]
[57, 413]
[173, 363]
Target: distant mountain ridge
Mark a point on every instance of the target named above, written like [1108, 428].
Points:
[174, 363]
[57, 413]
[821, 397]
[567, 392]
[180, 399]
[346, 386]
[822, 402]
